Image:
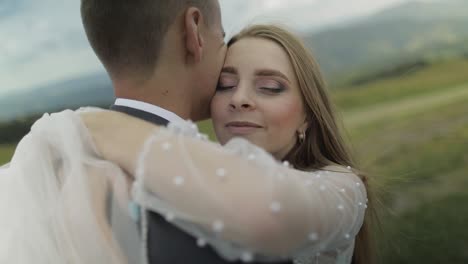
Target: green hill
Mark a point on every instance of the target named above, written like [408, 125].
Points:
[88, 90]
[432, 78]
[411, 134]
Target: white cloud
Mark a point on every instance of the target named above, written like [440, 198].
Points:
[45, 42]
[302, 15]
[273, 4]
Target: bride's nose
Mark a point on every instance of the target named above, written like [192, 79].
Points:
[241, 99]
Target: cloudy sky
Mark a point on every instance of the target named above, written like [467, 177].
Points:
[43, 41]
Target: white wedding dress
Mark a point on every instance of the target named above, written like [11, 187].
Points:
[236, 199]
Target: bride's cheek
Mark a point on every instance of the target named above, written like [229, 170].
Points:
[285, 118]
[218, 103]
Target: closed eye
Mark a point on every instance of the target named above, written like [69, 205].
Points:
[270, 86]
[272, 90]
[221, 88]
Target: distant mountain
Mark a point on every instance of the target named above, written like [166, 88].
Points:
[90, 90]
[425, 10]
[396, 35]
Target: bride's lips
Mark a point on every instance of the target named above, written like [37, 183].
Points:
[242, 127]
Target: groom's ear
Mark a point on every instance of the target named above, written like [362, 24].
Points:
[194, 42]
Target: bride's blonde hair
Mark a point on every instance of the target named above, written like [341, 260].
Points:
[323, 144]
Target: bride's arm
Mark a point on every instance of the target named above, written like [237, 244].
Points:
[244, 196]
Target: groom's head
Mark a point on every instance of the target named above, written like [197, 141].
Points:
[138, 39]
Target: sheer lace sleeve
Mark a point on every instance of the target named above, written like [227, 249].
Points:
[245, 204]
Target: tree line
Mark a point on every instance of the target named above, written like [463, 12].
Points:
[14, 131]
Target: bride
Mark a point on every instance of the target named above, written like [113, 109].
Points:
[282, 186]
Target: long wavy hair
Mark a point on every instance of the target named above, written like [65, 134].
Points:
[323, 144]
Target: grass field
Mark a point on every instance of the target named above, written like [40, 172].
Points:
[413, 140]
[411, 135]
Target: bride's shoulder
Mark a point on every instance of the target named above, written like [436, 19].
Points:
[337, 169]
[345, 173]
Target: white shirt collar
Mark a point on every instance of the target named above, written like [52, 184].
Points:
[153, 109]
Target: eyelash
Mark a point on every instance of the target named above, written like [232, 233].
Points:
[278, 90]
[273, 90]
[221, 88]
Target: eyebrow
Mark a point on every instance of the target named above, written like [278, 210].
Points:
[262, 72]
[267, 72]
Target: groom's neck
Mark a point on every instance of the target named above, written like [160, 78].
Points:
[165, 91]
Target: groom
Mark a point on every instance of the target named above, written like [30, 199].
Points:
[164, 58]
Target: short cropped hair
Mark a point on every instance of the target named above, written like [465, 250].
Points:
[127, 35]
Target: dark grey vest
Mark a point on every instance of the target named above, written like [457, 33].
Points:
[166, 243]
